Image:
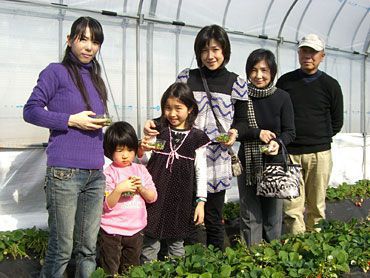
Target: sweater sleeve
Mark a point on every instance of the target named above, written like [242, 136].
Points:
[336, 108]
[110, 185]
[34, 111]
[287, 122]
[183, 76]
[147, 181]
[200, 164]
[240, 122]
[239, 90]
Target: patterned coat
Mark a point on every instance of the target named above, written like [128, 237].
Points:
[225, 88]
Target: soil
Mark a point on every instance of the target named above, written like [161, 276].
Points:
[20, 268]
[345, 210]
[26, 268]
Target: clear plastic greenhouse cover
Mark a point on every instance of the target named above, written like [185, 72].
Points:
[146, 44]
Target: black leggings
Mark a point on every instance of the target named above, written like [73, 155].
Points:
[213, 219]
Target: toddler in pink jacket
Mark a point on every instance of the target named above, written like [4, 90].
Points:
[128, 187]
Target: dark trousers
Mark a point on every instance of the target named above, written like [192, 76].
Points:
[260, 217]
[213, 219]
[117, 252]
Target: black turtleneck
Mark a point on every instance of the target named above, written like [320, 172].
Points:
[219, 80]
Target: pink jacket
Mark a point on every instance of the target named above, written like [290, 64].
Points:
[129, 215]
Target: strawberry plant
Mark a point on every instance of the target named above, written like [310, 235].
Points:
[335, 250]
[231, 211]
[355, 192]
[23, 243]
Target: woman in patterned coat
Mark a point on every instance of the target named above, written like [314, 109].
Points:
[212, 51]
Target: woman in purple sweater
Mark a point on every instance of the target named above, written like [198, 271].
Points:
[73, 93]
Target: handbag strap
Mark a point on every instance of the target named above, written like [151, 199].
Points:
[206, 88]
[285, 154]
[284, 151]
[208, 92]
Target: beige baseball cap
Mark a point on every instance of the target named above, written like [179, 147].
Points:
[313, 41]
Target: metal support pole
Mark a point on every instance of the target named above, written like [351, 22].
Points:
[364, 122]
[138, 87]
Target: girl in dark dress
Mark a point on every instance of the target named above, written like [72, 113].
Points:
[179, 172]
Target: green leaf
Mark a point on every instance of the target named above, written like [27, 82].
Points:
[192, 275]
[340, 255]
[180, 270]
[210, 268]
[229, 252]
[99, 273]
[278, 275]
[225, 271]
[305, 272]
[18, 235]
[344, 268]
[197, 265]
[283, 255]
[293, 256]
[269, 252]
[293, 273]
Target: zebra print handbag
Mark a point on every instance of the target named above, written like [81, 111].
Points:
[280, 180]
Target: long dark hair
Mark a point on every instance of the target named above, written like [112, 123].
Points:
[78, 30]
[183, 93]
[205, 35]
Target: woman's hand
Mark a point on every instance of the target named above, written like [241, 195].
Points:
[233, 134]
[273, 148]
[83, 121]
[266, 136]
[199, 213]
[149, 128]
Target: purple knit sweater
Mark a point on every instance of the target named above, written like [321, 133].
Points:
[68, 147]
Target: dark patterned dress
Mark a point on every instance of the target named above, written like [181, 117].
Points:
[173, 172]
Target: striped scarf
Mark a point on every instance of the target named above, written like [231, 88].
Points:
[253, 156]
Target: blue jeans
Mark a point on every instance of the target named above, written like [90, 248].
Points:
[74, 200]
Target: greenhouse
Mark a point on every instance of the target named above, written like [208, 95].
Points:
[147, 43]
[137, 162]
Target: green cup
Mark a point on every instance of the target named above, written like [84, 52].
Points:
[108, 118]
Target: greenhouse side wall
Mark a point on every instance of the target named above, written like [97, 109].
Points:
[22, 198]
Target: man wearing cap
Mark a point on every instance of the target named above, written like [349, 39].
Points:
[318, 115]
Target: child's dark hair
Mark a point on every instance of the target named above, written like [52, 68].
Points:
[183, 93]
[259, 55]
[119, 134]
[78, 30]
[205, 35]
